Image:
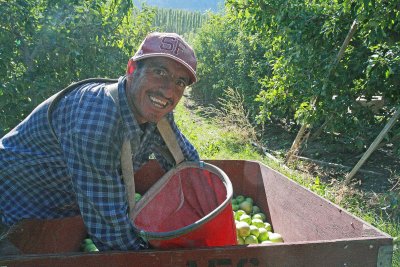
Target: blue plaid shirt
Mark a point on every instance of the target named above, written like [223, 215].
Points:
[42, 177]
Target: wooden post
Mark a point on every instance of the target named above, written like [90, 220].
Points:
[300, 135]
[296, 143]
[373, 146]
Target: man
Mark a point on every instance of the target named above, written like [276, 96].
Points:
[77, 170]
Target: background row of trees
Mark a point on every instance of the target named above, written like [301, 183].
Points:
[178, 20]
[278, 54]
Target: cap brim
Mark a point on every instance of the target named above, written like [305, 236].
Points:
[187, 66]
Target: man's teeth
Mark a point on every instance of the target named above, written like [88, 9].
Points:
[158, 102]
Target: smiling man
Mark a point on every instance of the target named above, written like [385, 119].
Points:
[155, 88]
[66, 160]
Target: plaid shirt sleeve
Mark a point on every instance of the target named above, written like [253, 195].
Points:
[92, 152]
[100, 192]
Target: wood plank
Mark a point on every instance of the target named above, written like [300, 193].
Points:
[362, 253]
[301, 215]
[49, 236]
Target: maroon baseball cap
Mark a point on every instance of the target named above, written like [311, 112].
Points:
[169, 45]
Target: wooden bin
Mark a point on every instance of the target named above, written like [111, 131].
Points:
[316, 232]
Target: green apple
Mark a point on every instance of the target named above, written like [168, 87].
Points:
[235, 207]
[240, 241]
[254, 230]
[257, 216]
[246, 206]
[137, 196]
[239, 213]
[263, 234]
[261, 216]
[243, 229]
[87, 241]
[245, 218]
[256, 209]
[275, 237]
[250, 200]
[251, 239]
[90, 248]
[257, 222]
[267, 226]
[234, 201]
[240, 199]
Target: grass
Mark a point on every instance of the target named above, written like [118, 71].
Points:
[218, 137]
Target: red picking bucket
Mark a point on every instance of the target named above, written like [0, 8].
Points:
[190, 206]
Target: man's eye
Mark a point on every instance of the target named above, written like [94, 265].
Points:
[181, 83]
[160, 72]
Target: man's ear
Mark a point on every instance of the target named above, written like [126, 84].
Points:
[130, 69]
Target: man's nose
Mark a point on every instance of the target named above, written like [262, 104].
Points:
[168, 86]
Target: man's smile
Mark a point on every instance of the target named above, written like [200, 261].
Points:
[158, 102]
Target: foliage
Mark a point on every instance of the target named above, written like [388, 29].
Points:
[45, 45]
[226, 60]
[281, 54]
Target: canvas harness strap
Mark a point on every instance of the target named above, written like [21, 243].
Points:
[163, 126]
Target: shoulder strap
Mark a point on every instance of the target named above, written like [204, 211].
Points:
[169, 137]
[126, 158]
[57, 97]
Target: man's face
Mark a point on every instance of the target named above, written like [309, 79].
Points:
[156, 88]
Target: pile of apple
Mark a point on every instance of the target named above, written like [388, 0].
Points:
[251, 224]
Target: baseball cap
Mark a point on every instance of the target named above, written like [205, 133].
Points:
[169, 45]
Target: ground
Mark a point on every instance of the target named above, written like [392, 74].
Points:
[379, 173]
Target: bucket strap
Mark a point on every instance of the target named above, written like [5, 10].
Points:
[126, 158]
[57, 97]
[169, 137]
